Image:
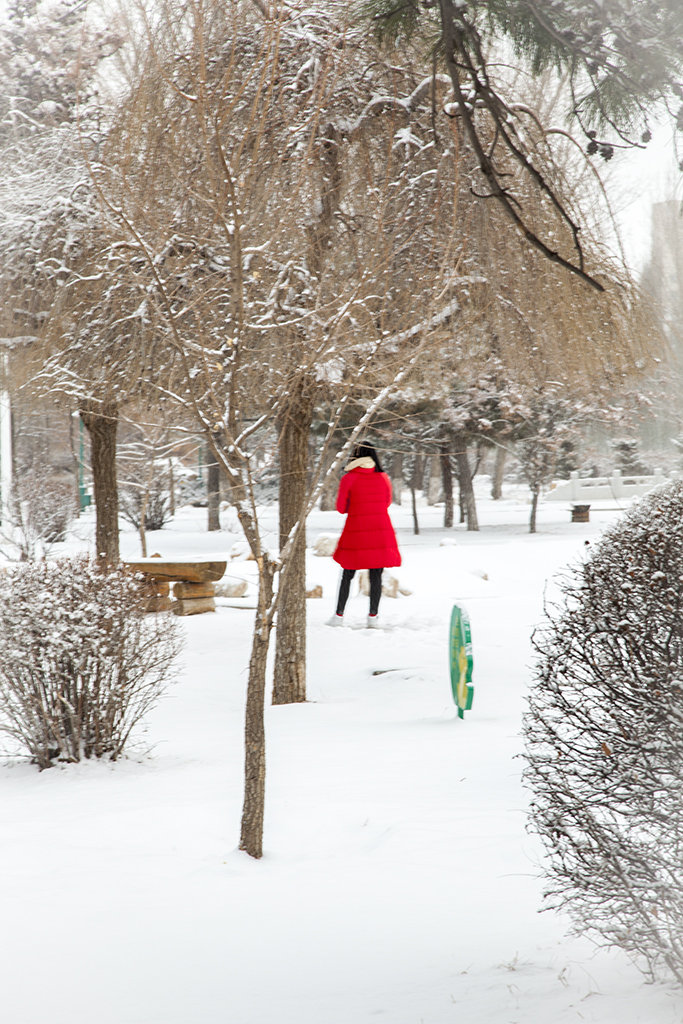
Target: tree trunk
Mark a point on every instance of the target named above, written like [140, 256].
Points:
[144, 505]
[434, 488]
[419, 472]
[213, 486]
[464, 471]
[236, 483]
[76, 464]
[535, 491]
[102, 426]
[397, 477]
[289, 681]
[329, 494]
[251, 834]
[171, 488]
[330, 485]
[447, 483]
[413, 503]
[142, 531]
[498, 470]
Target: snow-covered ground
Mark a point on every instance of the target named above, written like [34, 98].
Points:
[398, 882]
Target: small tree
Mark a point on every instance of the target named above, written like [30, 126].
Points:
[145, 504]
[553, 418]
[604, 737]
[144, 468]
[80, 663]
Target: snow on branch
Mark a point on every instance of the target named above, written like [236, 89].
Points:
[23, 339]
[381, 104]
[436, 320]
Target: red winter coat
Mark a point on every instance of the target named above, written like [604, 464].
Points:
[368, 540]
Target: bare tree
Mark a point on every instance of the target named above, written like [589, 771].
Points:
[266, 305]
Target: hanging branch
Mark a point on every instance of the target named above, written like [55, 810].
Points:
[456, 45]
[621, 61]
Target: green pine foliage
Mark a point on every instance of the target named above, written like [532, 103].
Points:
[621, 56]
[618, 61]
[393, 21]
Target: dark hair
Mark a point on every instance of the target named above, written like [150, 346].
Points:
[368, 451]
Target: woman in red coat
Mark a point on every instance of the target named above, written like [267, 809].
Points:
[368, 540]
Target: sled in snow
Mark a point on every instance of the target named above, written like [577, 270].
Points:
[461, 660]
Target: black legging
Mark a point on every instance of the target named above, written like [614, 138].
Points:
[375, 589]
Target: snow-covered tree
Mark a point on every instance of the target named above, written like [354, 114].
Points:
[604, 737]
[97, 353]
[627, 455]
[50, 121]
[486, 410]
[50, 55]
[553, 417]
[526, 326]
[275, 209]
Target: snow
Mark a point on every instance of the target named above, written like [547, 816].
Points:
[398, 882]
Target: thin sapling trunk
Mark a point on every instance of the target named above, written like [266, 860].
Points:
[251, 834]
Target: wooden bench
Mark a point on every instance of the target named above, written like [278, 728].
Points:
[193, 583]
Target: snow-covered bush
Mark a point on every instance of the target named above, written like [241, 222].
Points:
[604, 738]
[80, 663]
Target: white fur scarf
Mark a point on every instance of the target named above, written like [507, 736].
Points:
[365, 463]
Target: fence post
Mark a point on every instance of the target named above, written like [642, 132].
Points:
[616, 483]
[575, 485]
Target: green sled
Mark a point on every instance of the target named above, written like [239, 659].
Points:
[461, 660]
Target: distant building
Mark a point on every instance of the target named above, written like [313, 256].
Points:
[663, 277]
[662, 281]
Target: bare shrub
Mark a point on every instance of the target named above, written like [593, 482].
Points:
[80, 663]
[604, 738]
[150, 505]
[41, 509]
[56, 510]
